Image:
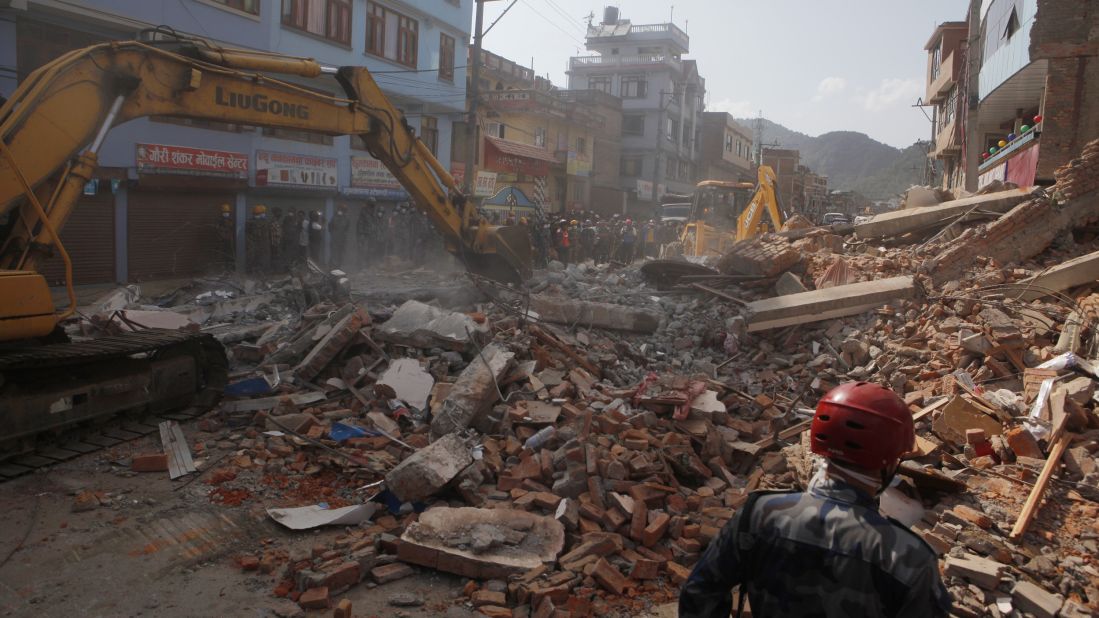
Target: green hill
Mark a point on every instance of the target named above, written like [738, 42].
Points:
[852, 161]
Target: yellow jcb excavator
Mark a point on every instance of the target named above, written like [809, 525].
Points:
[716, 204]
[51, 128]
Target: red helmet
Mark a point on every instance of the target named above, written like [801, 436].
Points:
[863, 424]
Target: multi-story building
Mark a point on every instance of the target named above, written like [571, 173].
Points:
[726, 149]
[946, 94]
[538, 144]
[146, 219]
[816, 194]
[1016, 90]
[662, 102]
[607, 196]
[789, 184]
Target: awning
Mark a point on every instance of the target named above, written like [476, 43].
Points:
[521, 150]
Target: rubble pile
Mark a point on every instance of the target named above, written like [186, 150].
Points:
[574, 450]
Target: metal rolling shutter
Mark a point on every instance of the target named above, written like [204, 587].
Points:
[88, 236]
[172, 234]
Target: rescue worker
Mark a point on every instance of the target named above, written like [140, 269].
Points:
[315, 230]
[303, 237]
[562, 241]
[258, 242]
[627, 241]
[337, 227]
[365, 227]
[828, 551]
[226, 234]
[275, 221]
[587, 240]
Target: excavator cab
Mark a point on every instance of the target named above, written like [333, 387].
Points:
[715, 206]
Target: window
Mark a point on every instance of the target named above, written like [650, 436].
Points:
[633, 124]
[495, 129]
[446, 57]
[672, 130]
[581, 145]
[688, 133]
[540, 137]
[633, 87]
[396, 37]
[1012, 24]
[685, 170]
[946, 113]
[577, 192]
[248, 6]
[408, 33]
[729, 144]
[429, 133]
[936, 60]
[631, 166]
[602, 83]
[330, 19]
[671, 169]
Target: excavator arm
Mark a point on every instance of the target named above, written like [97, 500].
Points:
[764, 201]
[54, 123]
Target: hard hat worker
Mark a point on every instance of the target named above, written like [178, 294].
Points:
[827, 551]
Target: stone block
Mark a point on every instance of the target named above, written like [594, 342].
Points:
[428, 470]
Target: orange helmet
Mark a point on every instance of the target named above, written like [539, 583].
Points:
[226, 208]
[259, 209]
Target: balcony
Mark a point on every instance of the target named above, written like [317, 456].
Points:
[526, 101]
[639, 33]
[610, 62]
[946, 142]
[942, 80]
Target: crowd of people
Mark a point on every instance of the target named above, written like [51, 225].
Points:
[276, 240]
[617, 238]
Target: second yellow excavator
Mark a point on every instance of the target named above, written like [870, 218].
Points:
[717, 205]
[51, 129]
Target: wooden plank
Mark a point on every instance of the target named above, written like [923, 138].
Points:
[1030, 508]
[266, 403]
[175, 446]
[121, 434]
[139, 428]
[80, 447]
[719, 294]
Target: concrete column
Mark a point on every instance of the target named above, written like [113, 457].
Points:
[8, 54]
[121, 226]
[242, 220]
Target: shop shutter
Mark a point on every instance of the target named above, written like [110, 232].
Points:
[88, 236]
[173, 234]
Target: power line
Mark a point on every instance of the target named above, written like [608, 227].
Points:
[562, 13]
[553, 23]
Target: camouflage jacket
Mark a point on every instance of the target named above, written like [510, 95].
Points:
[827, 552]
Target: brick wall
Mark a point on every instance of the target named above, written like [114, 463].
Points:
[1030, 227]
[762, 256]
[1062, 34]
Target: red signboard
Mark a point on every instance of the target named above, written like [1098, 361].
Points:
[161, 159]
[499, 161]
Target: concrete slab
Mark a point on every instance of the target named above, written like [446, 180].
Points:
[474, 392]
[429, 469]
[914, 219]
[788, 284]
[419, 325]
[834, 302]
[600, 315]
[409, 380]
[1077, 271]
[482, 543]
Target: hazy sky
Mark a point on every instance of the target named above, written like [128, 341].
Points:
[811, 65]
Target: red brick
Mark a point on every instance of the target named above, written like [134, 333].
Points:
[609, 577]
[314, 598]
[645, 569]
[343, 609]
[390, 572]
[495, 611]
[639, 521]
[248, 563]
[488, 597]
[655, 530]
[342, 577]
[677, 572]
[284, 588]
[149, 462]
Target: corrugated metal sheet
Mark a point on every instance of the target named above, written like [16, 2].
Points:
[172, 234]
[88, 236]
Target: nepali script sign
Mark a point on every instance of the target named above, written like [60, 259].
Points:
[162, 159]
[372, 179]
[293, 170]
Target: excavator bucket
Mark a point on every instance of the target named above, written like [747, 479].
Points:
[510, 259]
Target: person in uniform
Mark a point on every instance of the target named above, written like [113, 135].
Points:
[315, 231]
[227, 236]
[338, 227]
[827, 551]
[275, 221]
[258, 242]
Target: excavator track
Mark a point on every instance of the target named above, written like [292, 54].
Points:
[58, 401]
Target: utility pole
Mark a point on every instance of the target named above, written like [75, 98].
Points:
[474, 95]
[971, 149]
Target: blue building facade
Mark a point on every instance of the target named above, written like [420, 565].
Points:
[150, 216]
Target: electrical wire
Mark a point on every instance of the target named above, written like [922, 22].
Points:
[552, 23]
[568, 18]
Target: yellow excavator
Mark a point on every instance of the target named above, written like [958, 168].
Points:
[716, 205]
[51, 128]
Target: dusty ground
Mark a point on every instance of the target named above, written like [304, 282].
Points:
[155, 550]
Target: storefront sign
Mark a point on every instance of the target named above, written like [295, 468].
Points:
[370, 178]
[485, 185]
[292, 170]
[161, 159]
[644, 190]
[458, 173]
[500, 161]
[578, 164]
